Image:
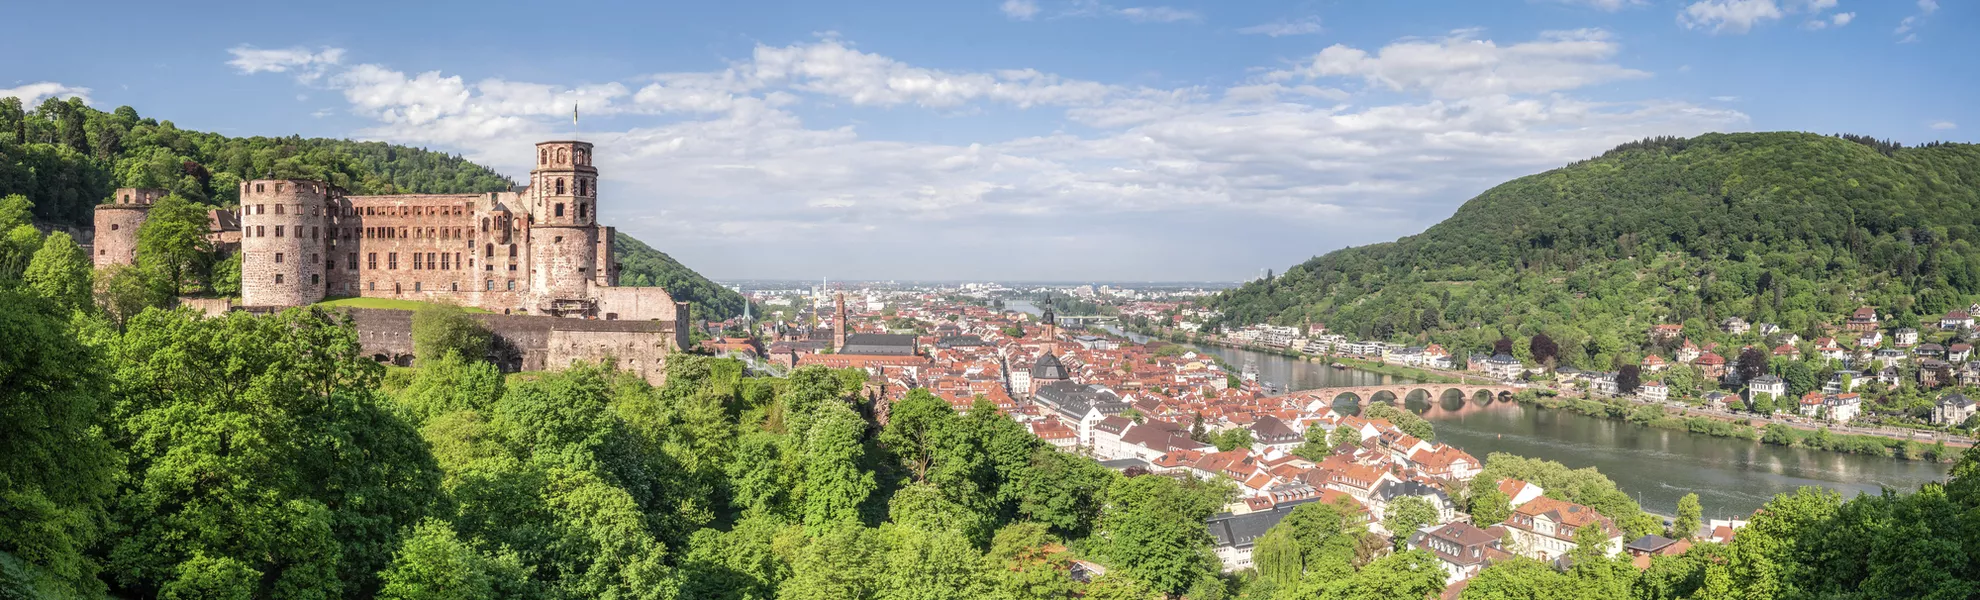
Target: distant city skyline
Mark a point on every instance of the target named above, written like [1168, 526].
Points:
[1025, 140]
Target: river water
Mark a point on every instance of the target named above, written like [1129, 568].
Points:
[1658, 466]
[1731, 477]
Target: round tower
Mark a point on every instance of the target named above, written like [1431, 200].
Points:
[563, 241]
[117, 223]
[282, 250]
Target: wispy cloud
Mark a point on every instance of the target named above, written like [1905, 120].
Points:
[1741, 16]
[1909, 25]
[33, 93]
[1605, 5]
[1022, 10]
[1944, 125]
[1282, 27]
[307, 65]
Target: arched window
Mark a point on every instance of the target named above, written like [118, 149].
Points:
[560, 186]
[490, 252]
[484, 224]
[542, 157]
[561, 156]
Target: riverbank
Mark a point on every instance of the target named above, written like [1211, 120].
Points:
[1415, 374]
[1773, 433]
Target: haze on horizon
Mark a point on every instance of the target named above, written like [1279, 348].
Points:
[1028, 140]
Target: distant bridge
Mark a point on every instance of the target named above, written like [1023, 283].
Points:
[1084, 318]
[1401, 391]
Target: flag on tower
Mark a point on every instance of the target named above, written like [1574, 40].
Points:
[574, 114]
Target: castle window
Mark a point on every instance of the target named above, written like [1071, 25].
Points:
[258, 208]
[402, 232]
[127, 198]
[491, 285]
[512, 250]
[259, 188]
[417, 263]
[560, 209]
[278, 190]
[351, 261]
[560, 186]
[391, 261]
[371, 285]
[278, 278]
[102, 252]
[314, 258]
[113, 226]
[512, 267]
[416, 286]
[580, 207]
[457, 259]
[557, 240]
[315, 279]
[512, 284]
[312, 232]
[278, 258]
[542, 158]
[583, 269]
[445, 263]
[562, 155]
[484, 224]
[261, 231]
[278, 208]
[396, 289]
[489, 251]
[454, 287]
[278, 231]
[581, 187]
[429, 260]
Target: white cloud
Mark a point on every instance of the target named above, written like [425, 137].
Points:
[1156, 14]
[1928, 6]
[1909, 24]
[1835, 20]
[1283, 27]
[32, 94]
[734, 155]
[1607, 5]
[307, 65]
[1729, 16]
[1944, 125]
[1022, 10]
[1725, 98]
[1460, 65]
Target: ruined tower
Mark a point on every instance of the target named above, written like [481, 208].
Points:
[282, 223]
[563, 238]
[117, 224]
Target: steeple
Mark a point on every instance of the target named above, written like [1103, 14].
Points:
[839, 325]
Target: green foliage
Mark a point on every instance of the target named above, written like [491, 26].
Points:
[1405, 515]
[1689, 516]
[1788, 228]
[442, 329]
[1232, 439]
[434, 564]
[1154, 526]
[1581, 486]
[60, 272]
[57, 469]
[1489, 505]
[1409, 422]
[1345, 436]
[172, 246]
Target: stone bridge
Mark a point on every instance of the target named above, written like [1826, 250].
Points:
[1398, 391]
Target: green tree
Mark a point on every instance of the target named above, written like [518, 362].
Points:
[1233, 438]
[439, 329]
[1689, 517]
[912, 423]
[834, 483]
[451, 383]
[1405, 515]
[434, 564]
[1155, 532]
[60, 272]
[171, 245]
[1345, 436]
[1409, 422]
[1026, 562]
[1490, 506]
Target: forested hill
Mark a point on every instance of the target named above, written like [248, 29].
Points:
[643, 266]
[1788, 228]
[66, 158]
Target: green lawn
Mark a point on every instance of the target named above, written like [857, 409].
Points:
[388, 303]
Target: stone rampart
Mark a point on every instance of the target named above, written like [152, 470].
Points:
[534, 343]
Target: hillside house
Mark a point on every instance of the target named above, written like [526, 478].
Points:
[1957, 319]
[1953, 409]
[1863, 319]
[1735, 326]
[1462, 548]
[1767, 384]
[1904, 337]
[1544, 528]
[1654, 391]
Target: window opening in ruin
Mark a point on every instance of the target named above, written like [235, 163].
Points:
[278, 231]
[512, 285]
[278, 278]
[560, 209]
[560, 187]
[315, 279]
[278, 258]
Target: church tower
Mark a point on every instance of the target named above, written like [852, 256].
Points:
[1051, 323]
[839, 326]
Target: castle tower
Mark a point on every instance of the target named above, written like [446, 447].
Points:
[839, 325]
[117, 223]
[1051, 323]
[564, 240]
[282, 224]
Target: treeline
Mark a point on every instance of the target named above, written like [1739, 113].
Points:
[1786, 228]
[68, 157]
[1772, 433]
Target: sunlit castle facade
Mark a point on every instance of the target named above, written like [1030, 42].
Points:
[537, 251]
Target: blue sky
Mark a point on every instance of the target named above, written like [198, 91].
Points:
[1022, 139]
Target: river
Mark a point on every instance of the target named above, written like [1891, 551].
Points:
[1658, 466]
